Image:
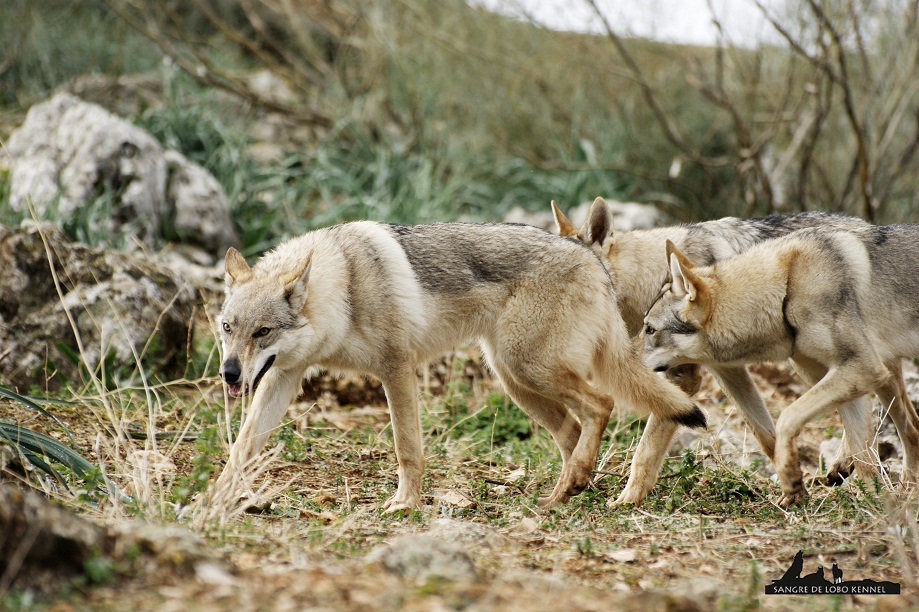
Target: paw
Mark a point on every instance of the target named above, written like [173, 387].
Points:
[400, 505]
[837, 473]
[792, 497]
[551, 501]
[398, 508]
[628, 496]
[834, 478]
[571, 482]
[557, 497]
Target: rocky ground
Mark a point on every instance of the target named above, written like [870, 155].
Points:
[710, 536]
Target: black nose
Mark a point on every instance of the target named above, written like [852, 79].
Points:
[230, 371]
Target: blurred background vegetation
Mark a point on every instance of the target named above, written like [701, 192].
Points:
[311, 112]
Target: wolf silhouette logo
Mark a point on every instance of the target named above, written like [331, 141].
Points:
[815, 583]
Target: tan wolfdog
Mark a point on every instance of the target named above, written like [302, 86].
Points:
[381, 299]
[843, 303]
[638, 270]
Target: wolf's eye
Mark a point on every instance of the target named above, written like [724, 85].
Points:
[649, 331]
[262, 332]
[226, 327]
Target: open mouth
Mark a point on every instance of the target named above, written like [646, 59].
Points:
[235, 390]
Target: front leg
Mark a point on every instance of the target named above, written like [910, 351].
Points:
[856, 423]
[273, 396]
[400, 386]
[655, 441]
[649, 456]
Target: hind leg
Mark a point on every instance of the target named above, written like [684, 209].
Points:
[857, 448]
[548, 413]
[893, 395]
[551, 414]
[591, 408]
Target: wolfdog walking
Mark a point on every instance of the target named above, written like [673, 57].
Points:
[638, 270]
[843, 303]
[381, 299]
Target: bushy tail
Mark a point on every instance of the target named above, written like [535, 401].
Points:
[624, 375]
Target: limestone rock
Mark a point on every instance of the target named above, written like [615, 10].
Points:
[424, 556]
[69, 153]
[117, 302]
[44, 545]
[201, 211]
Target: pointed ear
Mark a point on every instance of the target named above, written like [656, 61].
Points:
[683, 281]
[562, 225]
[599, 225]
[295, 282]
[237, 270]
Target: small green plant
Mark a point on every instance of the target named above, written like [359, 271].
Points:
[586, 547]
[92, 488]
[295, 445]
[684, 480]
[203, 467]
[749, 599]
[99, 569]
[499, 422]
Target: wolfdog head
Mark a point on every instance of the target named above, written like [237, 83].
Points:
[262, 324]
[674, 331]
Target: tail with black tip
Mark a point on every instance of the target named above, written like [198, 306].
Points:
[631, 382]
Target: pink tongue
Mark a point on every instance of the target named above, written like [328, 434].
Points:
[234, 390]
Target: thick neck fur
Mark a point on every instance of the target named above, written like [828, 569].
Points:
[747, 322]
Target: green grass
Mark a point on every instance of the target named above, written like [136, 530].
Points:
[50, 42]
[443, 111]
[420, 140]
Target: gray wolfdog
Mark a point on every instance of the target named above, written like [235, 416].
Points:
[381, 299]
[638, 270]
[843, 303]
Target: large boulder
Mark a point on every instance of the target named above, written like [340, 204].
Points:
[69, 153]
[117, 303]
